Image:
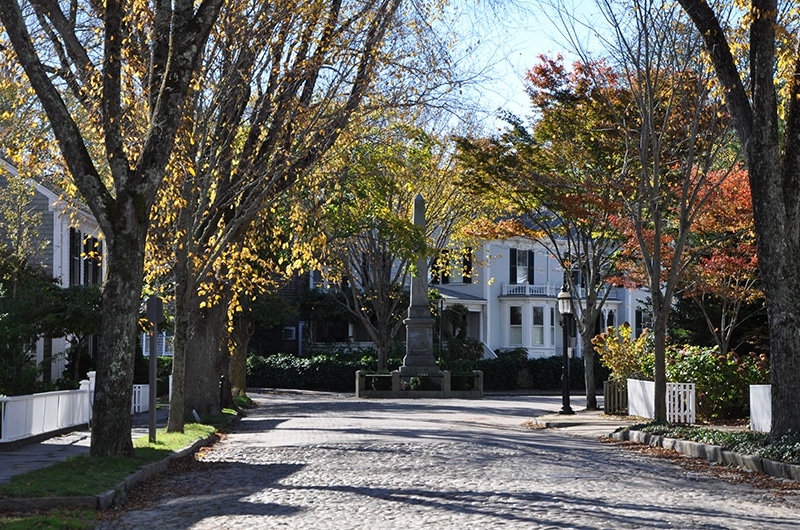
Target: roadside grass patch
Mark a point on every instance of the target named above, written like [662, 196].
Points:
[87, 476]
[244, 402]
[784, 449]
[52, 520]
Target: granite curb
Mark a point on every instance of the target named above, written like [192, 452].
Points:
[712, 453]
[107, 499]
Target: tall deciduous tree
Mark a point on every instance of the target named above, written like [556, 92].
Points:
[281, 83]
[723, 281]
[372, 243]
[675, 128]
[554, 180]
[129, 65]
[762, 94]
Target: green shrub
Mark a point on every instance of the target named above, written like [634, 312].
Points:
[546, 372]
[503, 373]
[459, 366]
[323, 373]
[722, 383]
[277, 371]
[424, 382]
[462, 382]
[332, 375]
[624, 356]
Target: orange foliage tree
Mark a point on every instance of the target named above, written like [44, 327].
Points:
[726, 271]
[551, 183]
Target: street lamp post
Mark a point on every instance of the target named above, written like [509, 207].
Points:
[565, 308]
[441, 324]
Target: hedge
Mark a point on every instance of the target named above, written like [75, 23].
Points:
[336, 372]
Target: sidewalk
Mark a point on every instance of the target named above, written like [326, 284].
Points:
[47, 452]
[585, 423]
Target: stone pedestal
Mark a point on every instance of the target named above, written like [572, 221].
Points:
[419, 359]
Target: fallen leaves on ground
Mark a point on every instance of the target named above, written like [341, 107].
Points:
[778, 487]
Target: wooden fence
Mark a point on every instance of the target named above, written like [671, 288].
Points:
[615, 397]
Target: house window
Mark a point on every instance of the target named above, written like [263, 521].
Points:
[612, 319]
[538, 325]
[92, 261]
[440, 269]
[515, 327]
[315, 279]
[642, 321]
[521, 266]
[75, 250]
[552, 326]
[289, 333]
[466, 265]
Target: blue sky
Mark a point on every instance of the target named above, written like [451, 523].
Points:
[503, 42]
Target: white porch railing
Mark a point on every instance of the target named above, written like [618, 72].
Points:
[27, 416]
[524, 289]
[681, 404]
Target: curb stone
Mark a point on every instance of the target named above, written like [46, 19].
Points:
[713, 453]
[107, 499]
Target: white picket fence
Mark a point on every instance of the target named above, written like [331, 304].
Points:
[31, 415]
[681, 404]
[140, 401]
[760, 408]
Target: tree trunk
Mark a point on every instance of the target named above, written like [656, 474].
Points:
[773, 185]
[774, 211]
[383, 356]
[660, 339]
[111, 417]
[177, 416]
[206, 356]
[588, 367]
[240, 339]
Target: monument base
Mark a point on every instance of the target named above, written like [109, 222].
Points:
[397, 386]
[419, 359]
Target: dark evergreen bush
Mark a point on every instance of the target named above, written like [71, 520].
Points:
[503, 373]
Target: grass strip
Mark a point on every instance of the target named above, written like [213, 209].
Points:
[51, 520]
[88, 476]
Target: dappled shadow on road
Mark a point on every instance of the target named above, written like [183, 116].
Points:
[413, 460]
[262, 495]
[553, 510]
[195, 490]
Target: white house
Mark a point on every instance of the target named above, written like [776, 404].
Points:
[73, 255]
[510, 288]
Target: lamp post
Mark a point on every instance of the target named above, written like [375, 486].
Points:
[565, 308]
[441, 324]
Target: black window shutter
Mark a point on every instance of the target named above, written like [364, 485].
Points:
[512, 273]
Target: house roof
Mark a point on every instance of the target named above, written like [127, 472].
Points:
[53, 193]
[452, 296]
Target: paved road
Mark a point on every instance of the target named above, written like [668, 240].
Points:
[325, 461]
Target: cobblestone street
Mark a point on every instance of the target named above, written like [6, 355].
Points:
[323, 461]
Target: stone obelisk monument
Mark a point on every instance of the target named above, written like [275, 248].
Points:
[419, 358]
